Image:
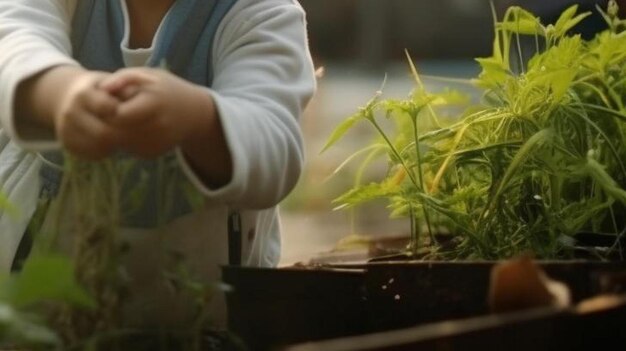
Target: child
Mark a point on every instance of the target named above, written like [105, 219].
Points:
[83, 74]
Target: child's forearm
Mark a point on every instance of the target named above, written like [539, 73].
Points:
[38, 98]
[67, 102]
[206, 148]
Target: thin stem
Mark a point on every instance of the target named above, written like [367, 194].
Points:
[396, 153]
[519, 47]
[420, 84]
[420, 173]
[414, 245]
[448, 79]
[617, 98]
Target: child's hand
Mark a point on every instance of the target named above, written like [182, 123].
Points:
[81, 115]
[66, 100]
[158, 110]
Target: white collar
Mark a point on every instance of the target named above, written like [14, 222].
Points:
[141, 56]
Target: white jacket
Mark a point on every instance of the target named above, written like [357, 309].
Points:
[263, 79]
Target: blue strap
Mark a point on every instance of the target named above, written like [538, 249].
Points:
[182, 49]
[187, 51]
[80, 24]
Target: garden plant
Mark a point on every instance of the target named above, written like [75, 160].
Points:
[72, 299]
[540, 158]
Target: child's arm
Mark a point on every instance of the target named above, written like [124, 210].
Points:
[247, 137]
[67, 100]
[264, 78]
[39, 80]
[34, 37]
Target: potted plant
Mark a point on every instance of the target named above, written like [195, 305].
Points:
[537, 165]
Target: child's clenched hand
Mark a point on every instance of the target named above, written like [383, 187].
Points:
[158, 110]
[80, 119]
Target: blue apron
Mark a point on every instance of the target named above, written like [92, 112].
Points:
[184, 45]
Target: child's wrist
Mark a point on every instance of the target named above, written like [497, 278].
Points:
[203, 115]
[42, 95]
[214, 167]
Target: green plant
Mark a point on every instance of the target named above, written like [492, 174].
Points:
[44, 279]
[69, 293]
[537, 160]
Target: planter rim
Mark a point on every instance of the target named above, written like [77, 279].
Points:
[443, 329]
[347, 269]
[360, 267]
[551, 262]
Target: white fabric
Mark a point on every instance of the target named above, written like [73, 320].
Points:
[263, 80]
[19, 180]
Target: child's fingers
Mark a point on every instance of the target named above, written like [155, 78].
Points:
[135, 111]
[101, 104]
[116, 82]
[128, 92]
[88, 137]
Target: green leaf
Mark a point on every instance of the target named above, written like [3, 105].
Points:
[559, 81]
[598, 172]
[566, 16]
[494, 72]
[497, 45]
[521, 156]
[366, 193]
[370, 148]
[567, 20]
[525, 27]
[521, 21]
[449, 97]
[605, 16]
[366, 112]
[341, 130]
[47, 278]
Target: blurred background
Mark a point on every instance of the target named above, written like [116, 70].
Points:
[357, 43]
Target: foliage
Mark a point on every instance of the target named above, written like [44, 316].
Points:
[44, 278]
[537, 160]
[69, 292]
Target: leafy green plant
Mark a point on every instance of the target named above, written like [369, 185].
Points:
[44, 279]
[70, 295]
[69, 292]
[537, 160]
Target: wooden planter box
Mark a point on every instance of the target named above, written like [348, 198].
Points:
[274, 308]
[538, 329]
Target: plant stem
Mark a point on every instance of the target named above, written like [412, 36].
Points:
[420, 176]
[396, 153]
[414, 245]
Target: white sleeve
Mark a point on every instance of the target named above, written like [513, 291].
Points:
[263, 80]
[34, 36]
